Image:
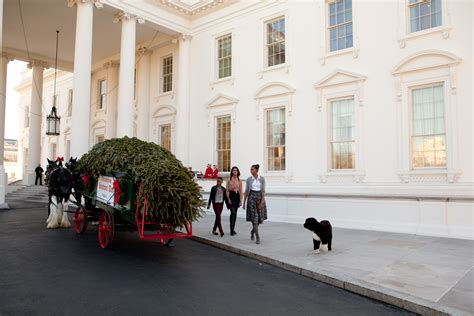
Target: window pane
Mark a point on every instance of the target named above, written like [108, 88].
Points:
[275, 140]
[223, 142]
[428, 127]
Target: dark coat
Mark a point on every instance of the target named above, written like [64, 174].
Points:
[212, 196]
[39, 170]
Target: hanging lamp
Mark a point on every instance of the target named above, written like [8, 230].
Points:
[53, 120]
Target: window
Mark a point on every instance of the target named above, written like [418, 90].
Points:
[276, 140]
[424, 14]
[102, 94]
[100, 138]
[223, 141]
[69, 103]
[275, 43]
[167, 74]
[342, 122]
[340, 25]
[27, 116]
[428, 127]
[53, 152]
[68, 148]
[165, 136]
[224, 56]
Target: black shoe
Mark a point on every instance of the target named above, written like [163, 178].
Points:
[214, 233]
[235, 233]
[232, 233]
[222, 234]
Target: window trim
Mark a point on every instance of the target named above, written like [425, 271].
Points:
[265, 138]
[328, 31]
[216, 151]
[99, 94]
[216, 58]
[263, 51]
[404, 34]
[329, 130]
[410, 89]
[162, 60]
[406, 76]
[70, 96]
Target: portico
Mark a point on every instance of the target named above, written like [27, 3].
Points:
[95, 36]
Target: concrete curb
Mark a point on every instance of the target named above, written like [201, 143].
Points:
[373, 291]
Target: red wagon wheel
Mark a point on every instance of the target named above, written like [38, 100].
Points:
[106, 229]
[80, 220]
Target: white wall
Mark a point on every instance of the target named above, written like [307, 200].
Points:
[304, 85]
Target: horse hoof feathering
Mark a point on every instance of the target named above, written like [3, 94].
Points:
[59, 189]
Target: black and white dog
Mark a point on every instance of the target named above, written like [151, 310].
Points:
[322, 233]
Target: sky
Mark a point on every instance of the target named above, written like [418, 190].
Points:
[12, 118]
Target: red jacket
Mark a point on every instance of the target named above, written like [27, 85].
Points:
[215, 173]
[208, 173]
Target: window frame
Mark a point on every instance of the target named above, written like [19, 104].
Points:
[278, 17]
[329, 27]
[162, 75]
[409, 18]
[410, 89]
[265, 140]
[160, 134]
[330, 133]
[216, 141]
[101, 104]
[217, 59]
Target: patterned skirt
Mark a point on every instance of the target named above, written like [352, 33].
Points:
[253, 214]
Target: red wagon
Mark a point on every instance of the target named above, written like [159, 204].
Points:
[112, 202]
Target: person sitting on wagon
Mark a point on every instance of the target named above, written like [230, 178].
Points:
[208, 172]
[215, 172]
[218, 197]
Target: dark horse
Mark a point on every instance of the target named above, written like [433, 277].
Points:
[59, 190]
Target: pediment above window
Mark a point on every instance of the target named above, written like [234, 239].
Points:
[221, 100]
[272, 89]
[98, 124]
[164, 110]
[426, 60]
[339, 77]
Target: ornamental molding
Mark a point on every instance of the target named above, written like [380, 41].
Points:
[164, 110]
[221, 100]
[274, 88]
[99, 4]
[8, 57]
[111, 64]
[184, 37]
[339, 77]
[123, 15]
[433, 176]
[425, 60]
[342, 178]
[192, 7]
[37, 63]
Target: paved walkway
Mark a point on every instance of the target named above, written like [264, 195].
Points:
[427, 275]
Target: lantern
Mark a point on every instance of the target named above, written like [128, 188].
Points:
[52, 123]
[53, 120]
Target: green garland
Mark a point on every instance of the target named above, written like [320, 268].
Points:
[173, 197]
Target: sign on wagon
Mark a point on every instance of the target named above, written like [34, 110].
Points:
[105, 190]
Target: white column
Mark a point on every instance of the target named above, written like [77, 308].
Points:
[143, 94]
[111, 107]
[36, 115]
[3, 94]
[82, 76]
[125, 103]
[182, 117]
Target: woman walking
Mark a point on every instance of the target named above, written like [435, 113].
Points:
[256, 208]
[234, 193]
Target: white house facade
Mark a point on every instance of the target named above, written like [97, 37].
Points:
[359, 112]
